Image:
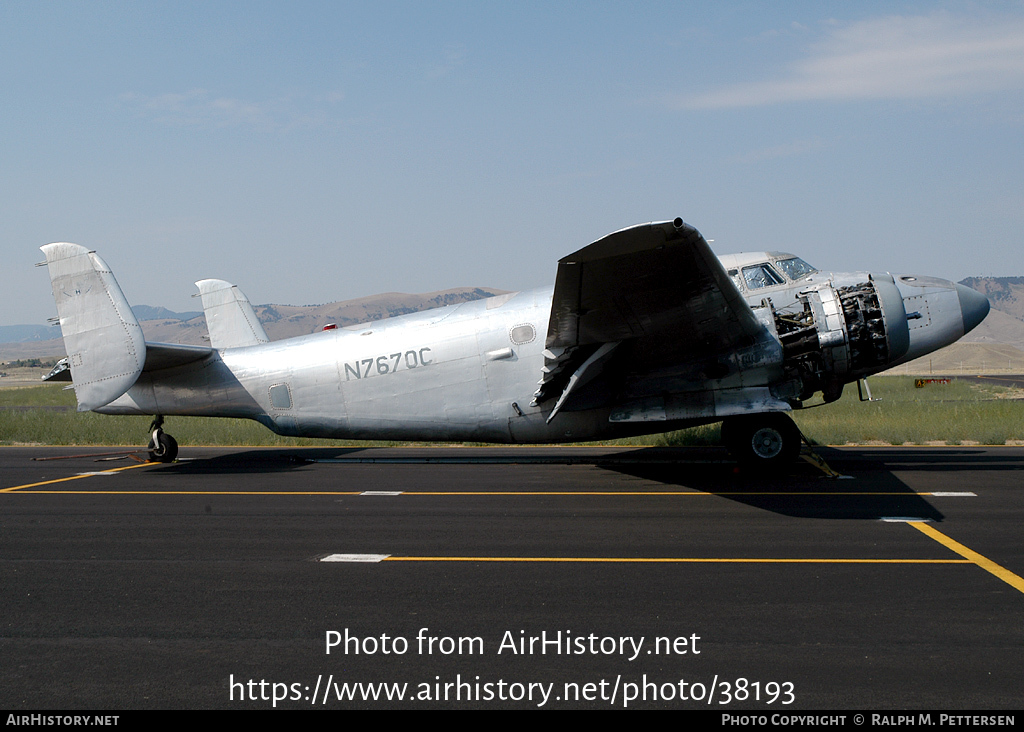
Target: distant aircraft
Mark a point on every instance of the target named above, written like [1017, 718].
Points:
[644, 331]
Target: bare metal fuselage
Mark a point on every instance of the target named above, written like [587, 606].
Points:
[468, 372]
[451, 373]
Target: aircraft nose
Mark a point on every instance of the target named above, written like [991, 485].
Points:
[973, 305]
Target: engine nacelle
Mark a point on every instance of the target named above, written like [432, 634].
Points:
[835, 333]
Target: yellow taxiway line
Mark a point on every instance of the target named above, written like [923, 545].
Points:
[676, 560]
[14, 488]
[970, 555]
[375, 494]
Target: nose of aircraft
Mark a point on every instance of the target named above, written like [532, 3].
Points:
[938, 312]
[973, 305]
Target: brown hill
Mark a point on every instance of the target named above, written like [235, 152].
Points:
[280, 321]
[287, 321]
[995, 345]
[1005, 293]
[966, 358]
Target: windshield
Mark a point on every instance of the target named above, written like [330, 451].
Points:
[796, 268]
[761, 275]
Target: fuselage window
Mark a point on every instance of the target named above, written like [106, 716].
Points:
[280, 397]
[761, 275]
[522, 334]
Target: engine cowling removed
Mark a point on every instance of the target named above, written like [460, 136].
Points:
[833, 335]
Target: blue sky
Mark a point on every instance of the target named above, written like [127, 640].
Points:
[312, 152]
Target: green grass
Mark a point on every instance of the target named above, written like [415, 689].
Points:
[49, 427]
[953, 413]
[956, 413]
[49, 395]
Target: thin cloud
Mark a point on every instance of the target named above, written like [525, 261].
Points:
[200, 108]
[452, 57]
[895, 57]
[800, 147]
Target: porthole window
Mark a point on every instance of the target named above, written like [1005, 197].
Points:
[522, 334]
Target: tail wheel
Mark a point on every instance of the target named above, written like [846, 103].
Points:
[769, 440]
[162, 448]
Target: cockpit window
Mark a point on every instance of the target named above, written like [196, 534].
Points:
[735, 275]
[796, 268]
[761, 275]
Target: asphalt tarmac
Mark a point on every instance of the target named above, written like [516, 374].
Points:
[511, 578]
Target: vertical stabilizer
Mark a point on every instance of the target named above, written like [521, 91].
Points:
[105, 346]
[229, 316]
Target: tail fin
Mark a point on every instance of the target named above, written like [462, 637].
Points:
[229, 316]
[105, 346]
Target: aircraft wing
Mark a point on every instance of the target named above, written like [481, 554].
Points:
[657, 287]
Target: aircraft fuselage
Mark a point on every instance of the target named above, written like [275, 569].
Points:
[469, 372]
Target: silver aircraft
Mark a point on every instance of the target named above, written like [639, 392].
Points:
[644, 331]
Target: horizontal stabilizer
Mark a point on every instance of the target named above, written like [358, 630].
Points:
[60, 372]
[105, 346]
[168, 355]
[229, 316]
[158, 356]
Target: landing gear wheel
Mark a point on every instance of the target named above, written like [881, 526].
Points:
[162, 447]
[768, 441]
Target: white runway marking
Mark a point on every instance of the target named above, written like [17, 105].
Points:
[948, 494]
[355, 557]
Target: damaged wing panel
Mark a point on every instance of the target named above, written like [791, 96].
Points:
[651, 279]
[657, 287]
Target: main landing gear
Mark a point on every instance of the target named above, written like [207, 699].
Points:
[769, 441]
[162, 447]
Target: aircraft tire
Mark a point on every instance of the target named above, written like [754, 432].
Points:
[165, 451]
[769, 440]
